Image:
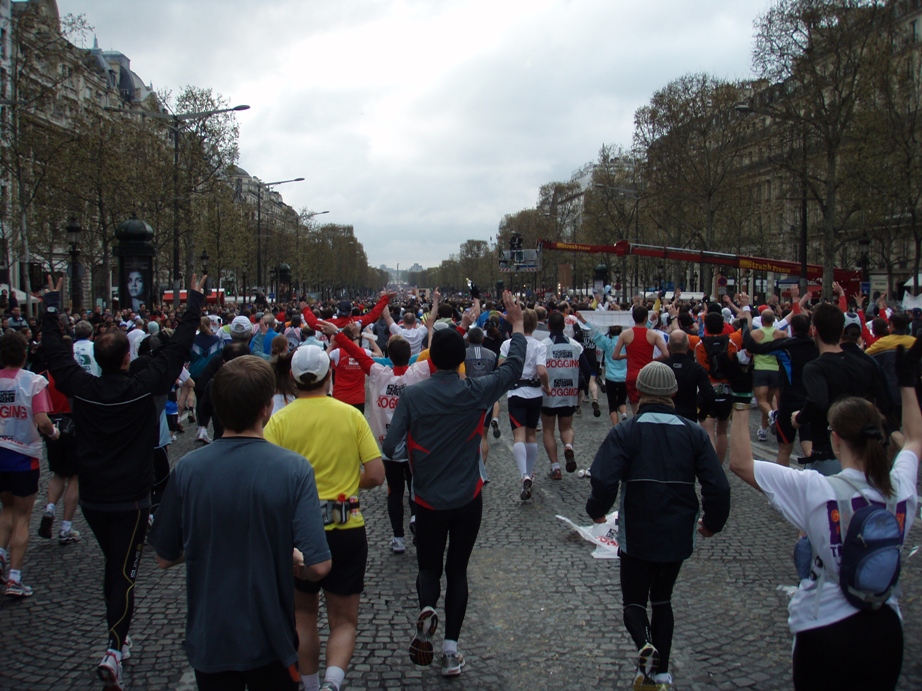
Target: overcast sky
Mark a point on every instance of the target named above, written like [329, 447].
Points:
[423, 122]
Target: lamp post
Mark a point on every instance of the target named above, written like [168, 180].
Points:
[259, 216]
[175, 124]
[74, 232]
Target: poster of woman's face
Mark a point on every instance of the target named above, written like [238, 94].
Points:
[137, 285]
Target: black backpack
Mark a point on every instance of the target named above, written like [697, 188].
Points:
[720, 364]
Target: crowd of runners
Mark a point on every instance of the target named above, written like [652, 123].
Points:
[400, 390]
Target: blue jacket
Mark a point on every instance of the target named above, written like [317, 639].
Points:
[655, 458]
[441, 420]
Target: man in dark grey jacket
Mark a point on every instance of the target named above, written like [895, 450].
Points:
[442, 421]
[655, 458]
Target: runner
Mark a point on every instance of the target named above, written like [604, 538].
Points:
[561, 393]
[654, 459]
[440, 421]
[765, 374]
[340, 446]
[524, 403]
[638, 343]
[385, 385]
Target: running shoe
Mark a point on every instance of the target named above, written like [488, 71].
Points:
[110, 672]
[191, 417]
[203, 436]
[555, 474]
[772, 419]
[17, 589]
[596, 411]
[571, 459]
[452, 664]
[494, 425]
[126, 648]
[579, 410]
[663, 681]
[762, 434]
[623, 417]
[44, 529]
[398, 546]
[647, 664]
[526, 488]
[65, 537]
[421, 645]
[328, 686]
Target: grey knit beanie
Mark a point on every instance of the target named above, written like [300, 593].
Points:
[657, 379]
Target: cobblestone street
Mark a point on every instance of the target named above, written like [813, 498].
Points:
[542, 614]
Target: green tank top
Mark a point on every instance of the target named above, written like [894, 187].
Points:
[766, 362]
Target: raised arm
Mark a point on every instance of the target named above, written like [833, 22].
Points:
[68, 375]
[378, 309]
[907, 373]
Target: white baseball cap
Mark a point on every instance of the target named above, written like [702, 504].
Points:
[310, 359]
[241, 325]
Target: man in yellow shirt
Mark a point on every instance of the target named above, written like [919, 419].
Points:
[340, 446]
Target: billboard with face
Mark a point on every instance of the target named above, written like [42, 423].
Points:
[136, 283]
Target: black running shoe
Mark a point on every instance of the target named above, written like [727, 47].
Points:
[44, 529]
[494, 424]
[571, 460]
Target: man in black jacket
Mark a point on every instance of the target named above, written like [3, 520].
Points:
[119, 428]
[695, 394]
[655, 458]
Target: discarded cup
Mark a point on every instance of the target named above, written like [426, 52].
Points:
[581, 473]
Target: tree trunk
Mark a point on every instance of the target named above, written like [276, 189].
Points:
[829, 224]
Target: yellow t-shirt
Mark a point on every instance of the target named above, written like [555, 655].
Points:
[335, 439]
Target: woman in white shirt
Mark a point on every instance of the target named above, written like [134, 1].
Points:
[837, 646]
[524, 403]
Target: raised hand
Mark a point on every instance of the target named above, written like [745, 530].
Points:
[907, 363]
[327, 327]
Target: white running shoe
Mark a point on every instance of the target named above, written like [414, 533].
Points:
[203, 436]
[762, 434]
[110, 672]
[126, 648]
[398, 545]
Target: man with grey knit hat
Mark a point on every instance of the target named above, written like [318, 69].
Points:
[655, 458]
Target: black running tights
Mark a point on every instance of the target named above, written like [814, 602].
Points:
[120, 535]
[863, 651]
[647, 580]
[458, 528]
[398, 477]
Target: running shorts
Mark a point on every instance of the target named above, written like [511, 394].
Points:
[562, 411]
[20, 483]
[616, 391]
[524, 412]
[766, 377]
[349, 551]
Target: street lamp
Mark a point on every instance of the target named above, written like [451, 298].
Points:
[74, 232]
[175, 122]
[259, 202]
